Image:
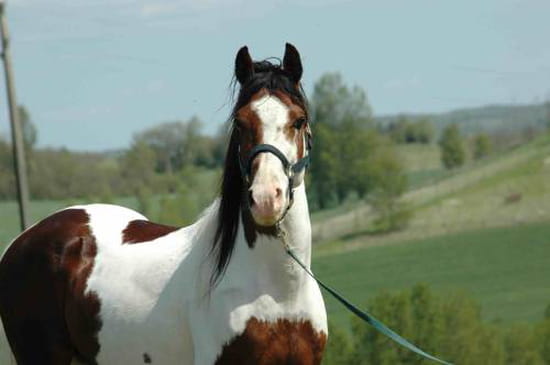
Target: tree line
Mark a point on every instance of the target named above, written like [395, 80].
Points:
[353, 158]
[155, 157]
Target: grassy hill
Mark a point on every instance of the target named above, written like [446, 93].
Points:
[484, 229]
[502, 190]
[505, 269]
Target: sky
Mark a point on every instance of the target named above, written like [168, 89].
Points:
[92, 73]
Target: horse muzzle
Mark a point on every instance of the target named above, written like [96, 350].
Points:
[268, 200]
[267, 203]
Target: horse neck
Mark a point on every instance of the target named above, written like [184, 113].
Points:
[266, 265]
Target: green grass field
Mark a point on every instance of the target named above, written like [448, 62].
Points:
[505, 269]
[205, 183]
[419, 157]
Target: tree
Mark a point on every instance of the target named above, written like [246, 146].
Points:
[165, 141]
[389, 183]
[521, 346]
[452, 148]
[542, 334]
[347, 139]
[7, 177]
[175, 143]
[324, 170]
[398, 129]
[482, 146]
[30, 136]
[333, 102]
[339, 347]
[404, 130]
[137, 167]
[179, 144]
[423, 131]
[143, 196]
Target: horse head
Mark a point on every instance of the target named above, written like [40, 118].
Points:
[271, 120]
[268, 149]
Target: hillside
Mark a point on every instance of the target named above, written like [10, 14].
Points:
[490, 119]
[484, 230]
[475, 196]
[502, 268]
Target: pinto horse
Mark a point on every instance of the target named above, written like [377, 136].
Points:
[100, 284]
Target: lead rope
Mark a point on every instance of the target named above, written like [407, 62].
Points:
[364, 315]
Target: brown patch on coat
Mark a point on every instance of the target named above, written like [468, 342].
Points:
[47, 317]
[140, 230]
[249, 125]
[281, 342]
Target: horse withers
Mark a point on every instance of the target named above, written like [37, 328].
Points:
[100, 284]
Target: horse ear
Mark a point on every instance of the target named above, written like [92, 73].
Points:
[292, 63]
[244, 66]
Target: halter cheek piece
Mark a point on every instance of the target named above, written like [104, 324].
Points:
[291, 170]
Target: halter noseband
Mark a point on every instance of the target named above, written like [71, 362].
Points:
[291, 170]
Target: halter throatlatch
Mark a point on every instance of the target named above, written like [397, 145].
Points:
[290, 170]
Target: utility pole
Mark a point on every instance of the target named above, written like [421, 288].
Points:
[16, 132]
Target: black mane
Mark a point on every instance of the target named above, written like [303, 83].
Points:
[271, 77]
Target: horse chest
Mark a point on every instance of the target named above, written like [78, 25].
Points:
[281, 342]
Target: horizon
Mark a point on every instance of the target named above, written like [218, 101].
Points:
[92, 74]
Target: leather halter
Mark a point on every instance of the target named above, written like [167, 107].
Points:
[290, 170]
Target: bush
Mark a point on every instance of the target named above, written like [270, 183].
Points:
[481, 146]
[542, 335]
[338, 350]
[449, 327]
[452, 148]
[389, 184]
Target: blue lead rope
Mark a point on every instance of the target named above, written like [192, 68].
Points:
[364, 315]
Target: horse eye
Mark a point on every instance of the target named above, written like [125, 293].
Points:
[299, 123]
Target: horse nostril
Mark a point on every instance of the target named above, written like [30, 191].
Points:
[278, 192]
